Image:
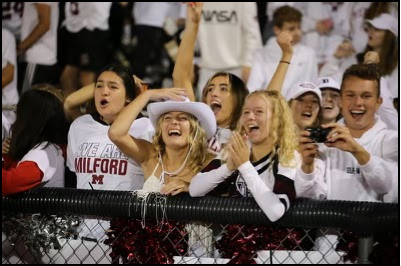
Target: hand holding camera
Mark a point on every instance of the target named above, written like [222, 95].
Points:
[318, 134]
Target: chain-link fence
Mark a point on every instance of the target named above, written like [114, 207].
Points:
[162, 230]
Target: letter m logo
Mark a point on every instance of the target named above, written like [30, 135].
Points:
[97, 179]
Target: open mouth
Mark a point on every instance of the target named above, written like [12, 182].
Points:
[357, 114]
[174, 133]
[328, 107]
[104, 103]
[253, 128]
[306, 115]
[216, 107]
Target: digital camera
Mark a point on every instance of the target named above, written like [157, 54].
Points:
[318, 134]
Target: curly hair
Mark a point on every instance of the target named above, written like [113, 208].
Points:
[197, 140]
[283, 133]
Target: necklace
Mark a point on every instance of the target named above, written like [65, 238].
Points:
[172, 174]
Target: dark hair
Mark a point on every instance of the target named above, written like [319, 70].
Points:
[365, 72]
[319, 116]
[240, 91]
[376, 9]
[40, 118]
[388, 55]
[286, 14]
[132, 90]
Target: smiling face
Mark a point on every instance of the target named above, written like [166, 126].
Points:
[330, 105]
[109, 96]
[176, 129]
[256, 119]
[305, 110]
[220, 98]
[360, 101]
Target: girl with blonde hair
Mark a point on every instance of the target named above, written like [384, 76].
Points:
[265, 171]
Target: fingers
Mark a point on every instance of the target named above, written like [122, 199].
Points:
[238, 142]
[6, 146]
[175, 187]
[172, 94]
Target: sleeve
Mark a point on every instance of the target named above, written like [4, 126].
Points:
[267, 200]
[387, 112]
[311, 185]
[45, 158]
[257, 79]
[9, 52]
[71, 148]
[250, 28]
[381, 173]
[203, 183]
[21, 178]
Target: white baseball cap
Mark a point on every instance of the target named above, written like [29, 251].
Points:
[328, 83]
[201, 111]
[385, 22]
[302, 88]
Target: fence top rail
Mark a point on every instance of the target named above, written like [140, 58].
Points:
[364, 218]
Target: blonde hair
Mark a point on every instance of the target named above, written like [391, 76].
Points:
[283, 133]
[197, 140]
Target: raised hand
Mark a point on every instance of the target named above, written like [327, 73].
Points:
[371, 57]
[341, 138]
[194, 11]
[238, 149]
[284, 40]
[345, 49]
[171, 94]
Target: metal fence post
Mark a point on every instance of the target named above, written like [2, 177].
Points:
[364, 248]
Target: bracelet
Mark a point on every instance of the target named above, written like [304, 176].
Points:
[286, 62]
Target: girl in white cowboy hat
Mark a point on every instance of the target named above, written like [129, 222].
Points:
[179, 147]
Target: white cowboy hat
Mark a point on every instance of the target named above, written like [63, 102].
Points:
[201, 111]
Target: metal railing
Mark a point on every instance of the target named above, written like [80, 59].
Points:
[209, 229]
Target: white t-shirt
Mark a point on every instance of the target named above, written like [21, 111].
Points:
[155, 13]
[12, 17]
[87, 15]
[96, 159]
[303, 66]
[50, 161]
[9, 95]
[338, 176]
[229, 34]
[44, 51]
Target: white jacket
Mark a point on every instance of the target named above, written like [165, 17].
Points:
[338, 176]
[228, 35]
[335, 68]
[303, 66]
